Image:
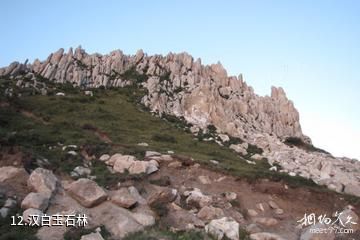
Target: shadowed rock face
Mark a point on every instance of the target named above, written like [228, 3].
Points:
[179, 86]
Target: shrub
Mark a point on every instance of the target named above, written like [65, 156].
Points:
[298, 142]
[163, 138]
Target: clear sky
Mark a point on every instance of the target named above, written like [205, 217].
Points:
[310, 48]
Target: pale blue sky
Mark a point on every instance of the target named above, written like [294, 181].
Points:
[310, 48]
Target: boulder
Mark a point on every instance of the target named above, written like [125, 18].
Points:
[352, 189]
[257, 157]
[162, 196]
[92, 236]
[104, 157]
[348, 219]
[35, 200]
[197, 198]
[208, 213]
[223, 227]
[123, 198]
[43, 181]
[144, 219]
[9, 172]
[31, 213]
[135, 194]
[87, 192]
[140, 167]
[118, 221]
[224, 137]
[181, 219]
[239, 148]
[122, 163]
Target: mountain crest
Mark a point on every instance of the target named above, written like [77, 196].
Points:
[177, 85]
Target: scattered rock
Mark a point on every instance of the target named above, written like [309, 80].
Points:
[230, 196]
[138, 167]
[239, 148]
[352, 189]
[35, 200]
[10, 203]
[197, 198]
[4, 212]
[123, 198]
[252, 212]
[81, 171]
[73, 153]
[163, 196]
[253, 228]
[104, 157]
[87, 192]
[214, 162]
[151, 154]
[224, 137]
[223, 227]
[135, 194]
[279, 211]
[348, 218]
[145, 220]
[118, 221]
[175, 164]
[265, 221]
[122, 162]
[257, 157]
[143, 144]
[208, 213]
[92, 236]
[220, 179]
[180, 219]
[260, 206]
[10, 172]
[204, 180]
[43, 181]
[31, 213]
[273, 205]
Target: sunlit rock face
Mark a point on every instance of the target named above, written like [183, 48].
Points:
[177, 85]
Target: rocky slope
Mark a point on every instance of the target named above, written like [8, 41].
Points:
[205, 97]
[173, 193]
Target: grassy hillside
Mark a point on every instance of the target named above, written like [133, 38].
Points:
[108, 122]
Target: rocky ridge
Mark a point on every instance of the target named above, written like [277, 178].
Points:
[203, 96]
